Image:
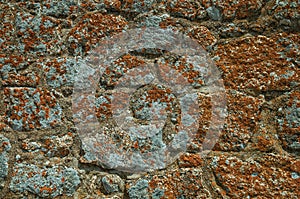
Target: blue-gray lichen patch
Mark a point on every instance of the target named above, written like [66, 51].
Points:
[31, 108]
[14, 71]
[60, 72]
[92, 27]
[10, 64]
[4, 148]
[288, 122]
[35, 34]
[139, 190]
[158, 193]
[44, 182]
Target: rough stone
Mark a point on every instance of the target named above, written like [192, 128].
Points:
[254, 43]
[15, 71]
[6, 29]
[179, 183]
[187, 9]
[285, 12]
[60, 8]
[60, 72]
[4, 149]
[45, 182]
[239, 126]
[137, 6]
[90, 29]
[53, 146]
[241, 122]
[139, 190]
[288, 122]
[229, 10]
[112, 184]
[35, 34]
[259, 63]
[97, 184]
[248, 176]
[203, 35]
[189, 160]
[30, 108]
[11, 64]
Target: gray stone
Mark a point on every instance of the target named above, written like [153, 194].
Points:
[44, 182]
[214, 13]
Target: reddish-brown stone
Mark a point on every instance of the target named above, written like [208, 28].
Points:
[259, 63]
[266, 176]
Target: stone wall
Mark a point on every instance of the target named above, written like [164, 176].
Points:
[254, 44]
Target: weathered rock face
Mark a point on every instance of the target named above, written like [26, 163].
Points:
[269, 175]
[254, 46]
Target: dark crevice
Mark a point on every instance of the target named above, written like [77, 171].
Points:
[89, 167]
[226, 189]
[148, 53]
[272, 94]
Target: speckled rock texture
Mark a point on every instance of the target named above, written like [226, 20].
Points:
[255, 44]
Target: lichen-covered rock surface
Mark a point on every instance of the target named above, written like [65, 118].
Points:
[254, 44]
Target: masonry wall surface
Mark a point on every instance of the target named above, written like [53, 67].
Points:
[254, 44]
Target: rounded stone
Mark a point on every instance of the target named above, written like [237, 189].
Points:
[112, 183]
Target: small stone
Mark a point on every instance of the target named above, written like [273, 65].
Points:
[214, 13]
[112, 183]
[139, 190]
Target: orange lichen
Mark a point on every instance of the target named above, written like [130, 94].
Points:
[262, 173]
[95, 26]
[190, 160]
[255, 63]
[42, 100]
